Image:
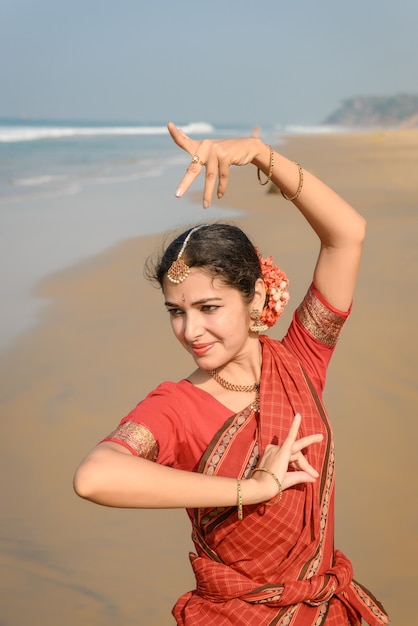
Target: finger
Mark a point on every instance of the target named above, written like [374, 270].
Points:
[224, 169]
[188, 179]
[181, 139]
[202, 154]
[296, 478]
[210, 180]
[302, 463]
[304, 442]
[293, 432]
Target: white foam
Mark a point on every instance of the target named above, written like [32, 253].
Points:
[36, 181]
[298, 129]
[14, 134]
[198, 128]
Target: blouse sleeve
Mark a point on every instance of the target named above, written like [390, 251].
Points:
[154, 428]
[313, 334]
[136, 438]
[173, 425]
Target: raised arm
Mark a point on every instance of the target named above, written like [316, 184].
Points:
[340, 228]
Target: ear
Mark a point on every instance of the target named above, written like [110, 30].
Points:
[259, 299]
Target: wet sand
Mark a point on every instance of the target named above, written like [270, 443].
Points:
[104, 341]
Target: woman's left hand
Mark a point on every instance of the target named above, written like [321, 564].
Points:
[278, 458]
[217, 156]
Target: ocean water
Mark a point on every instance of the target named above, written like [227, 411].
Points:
[70, 190]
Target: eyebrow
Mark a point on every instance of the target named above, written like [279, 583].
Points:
[197, 302]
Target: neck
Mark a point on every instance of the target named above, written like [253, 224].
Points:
[245, 370]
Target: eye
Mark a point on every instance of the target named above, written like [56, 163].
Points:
[175, 312]
[209, 308]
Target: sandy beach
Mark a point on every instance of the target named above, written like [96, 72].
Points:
[104, 341]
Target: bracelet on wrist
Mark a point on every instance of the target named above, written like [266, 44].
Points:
[270, 174]
[299, 189]
[239, 500]
[267, 471]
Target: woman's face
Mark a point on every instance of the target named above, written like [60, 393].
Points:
[210, 319]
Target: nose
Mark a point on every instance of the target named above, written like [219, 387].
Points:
[192, 326]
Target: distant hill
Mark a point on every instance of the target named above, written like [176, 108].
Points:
[399, 111]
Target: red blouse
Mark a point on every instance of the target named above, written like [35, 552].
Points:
[175, 423]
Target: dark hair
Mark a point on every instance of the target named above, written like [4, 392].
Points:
[223, 250]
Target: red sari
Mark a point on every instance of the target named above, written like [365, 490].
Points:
[278, 565]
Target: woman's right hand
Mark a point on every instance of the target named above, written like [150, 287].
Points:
[216, 156]
[278, 458]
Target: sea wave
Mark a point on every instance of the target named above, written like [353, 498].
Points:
[36, 181]
[74, 180]
[299, 129]
[16, 133]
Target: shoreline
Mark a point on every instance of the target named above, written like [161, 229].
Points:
[23, 298]
[104, 340]
[44, 235]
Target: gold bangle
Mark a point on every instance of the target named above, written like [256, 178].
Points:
[264, 469]
[299, 189]
[239, 500]
[268, 179]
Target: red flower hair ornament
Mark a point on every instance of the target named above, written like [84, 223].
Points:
[277, 295]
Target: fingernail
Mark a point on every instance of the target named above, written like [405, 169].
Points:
[179, 193]
[297, 416]
[220, 195]
[205, 204]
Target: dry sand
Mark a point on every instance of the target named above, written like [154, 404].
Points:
[105, 340]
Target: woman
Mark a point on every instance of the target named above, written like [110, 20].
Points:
[244, 443]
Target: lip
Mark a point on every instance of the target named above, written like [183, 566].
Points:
[201, 348]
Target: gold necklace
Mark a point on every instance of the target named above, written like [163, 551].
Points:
[245, 388]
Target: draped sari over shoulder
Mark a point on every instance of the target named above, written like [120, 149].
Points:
[278, 566]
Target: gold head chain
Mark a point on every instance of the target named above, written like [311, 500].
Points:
[179, 270]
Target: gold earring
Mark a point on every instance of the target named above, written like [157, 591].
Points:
[258, 326]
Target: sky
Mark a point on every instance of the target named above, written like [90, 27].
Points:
[240, 61]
